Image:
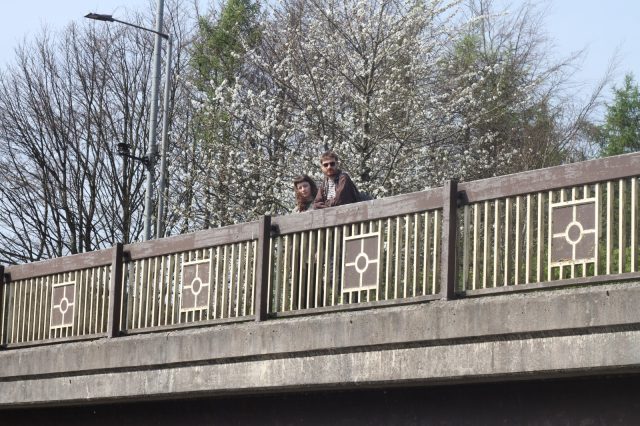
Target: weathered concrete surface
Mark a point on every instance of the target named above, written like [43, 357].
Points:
[570, 332]
[606, 401]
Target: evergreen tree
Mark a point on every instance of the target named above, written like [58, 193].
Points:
[620, 133]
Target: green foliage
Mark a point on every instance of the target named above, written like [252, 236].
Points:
[218, 50]
[621, 132]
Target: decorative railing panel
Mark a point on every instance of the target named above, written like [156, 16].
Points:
[582, 229]
[165, 287]
[48, 302]
[387, 258]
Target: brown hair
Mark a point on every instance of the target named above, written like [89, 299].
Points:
[300, 202]
[329, 154]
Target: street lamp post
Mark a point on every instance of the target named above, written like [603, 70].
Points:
[150, 159]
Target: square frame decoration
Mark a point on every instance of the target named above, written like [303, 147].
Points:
[360, 262]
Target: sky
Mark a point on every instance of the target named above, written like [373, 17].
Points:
[602, 27]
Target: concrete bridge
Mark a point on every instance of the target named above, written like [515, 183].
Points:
[508, 300]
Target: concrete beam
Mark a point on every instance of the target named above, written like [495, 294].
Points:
[545, 334]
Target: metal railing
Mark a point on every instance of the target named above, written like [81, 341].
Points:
[64, 298]
[188, 279]
[567, 225]
[308, 262]
[551, 226]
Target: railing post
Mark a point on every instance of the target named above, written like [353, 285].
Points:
[449, 228]
[115, 291]
[3, 308]
[262, 268]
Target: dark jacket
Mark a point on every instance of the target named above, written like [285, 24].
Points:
[346, 192]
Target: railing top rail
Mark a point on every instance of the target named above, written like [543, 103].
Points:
[358, 212]
[59, 265]
[568, 175]
[193, 241]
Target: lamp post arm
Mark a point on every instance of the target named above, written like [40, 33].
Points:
[161, 34]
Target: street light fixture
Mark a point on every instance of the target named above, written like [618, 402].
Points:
[110, 18]
[123, 150]
[150, 159]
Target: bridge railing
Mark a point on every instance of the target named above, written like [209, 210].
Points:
[566, 225]
[374, 251]
[193, 278]
[59, 299]
[550, 227]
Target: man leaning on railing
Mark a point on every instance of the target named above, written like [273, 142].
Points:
[336, 188]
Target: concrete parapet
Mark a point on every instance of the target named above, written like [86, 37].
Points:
[570, 332]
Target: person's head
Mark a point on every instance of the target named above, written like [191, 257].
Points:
[329, 163]
[305, 189]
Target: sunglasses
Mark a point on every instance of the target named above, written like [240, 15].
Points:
[331, 163]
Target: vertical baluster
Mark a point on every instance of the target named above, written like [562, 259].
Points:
[596, 266]
[540, 239]
[104, 298]
[22, 310]
[407, 229]
[317, 262]
[232, 281]
[517, 245]
[154, 292]
[149, 283]
[47, 310]
[302, 293]
[240, 278]
[90, 277]
[397, 259]
[426, 266]
[82, 301]
[128, 277]
[476, 243]
[586, 193]
[436, 250]
[225, 281]
[175, 307]
[4, 311]
[465, 246]
[528, 241]
[14, 311]
[573, 198]
[622, 226]
[29, 310]
[162, 288]
[271, 279]
[38, 310]
[115, 291]
[485, 245]
[310, 275]
[326, 301]
[609, 230]
[276, 274]
[245, 284]
[337, 243]
[141, 272]
[634, 224]
[380, 255]
[343, 296]
[496, 242]
[285, 277]
[507, 240]
[254, 274]
[416, 253]
[294, 271]
[388, 260]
